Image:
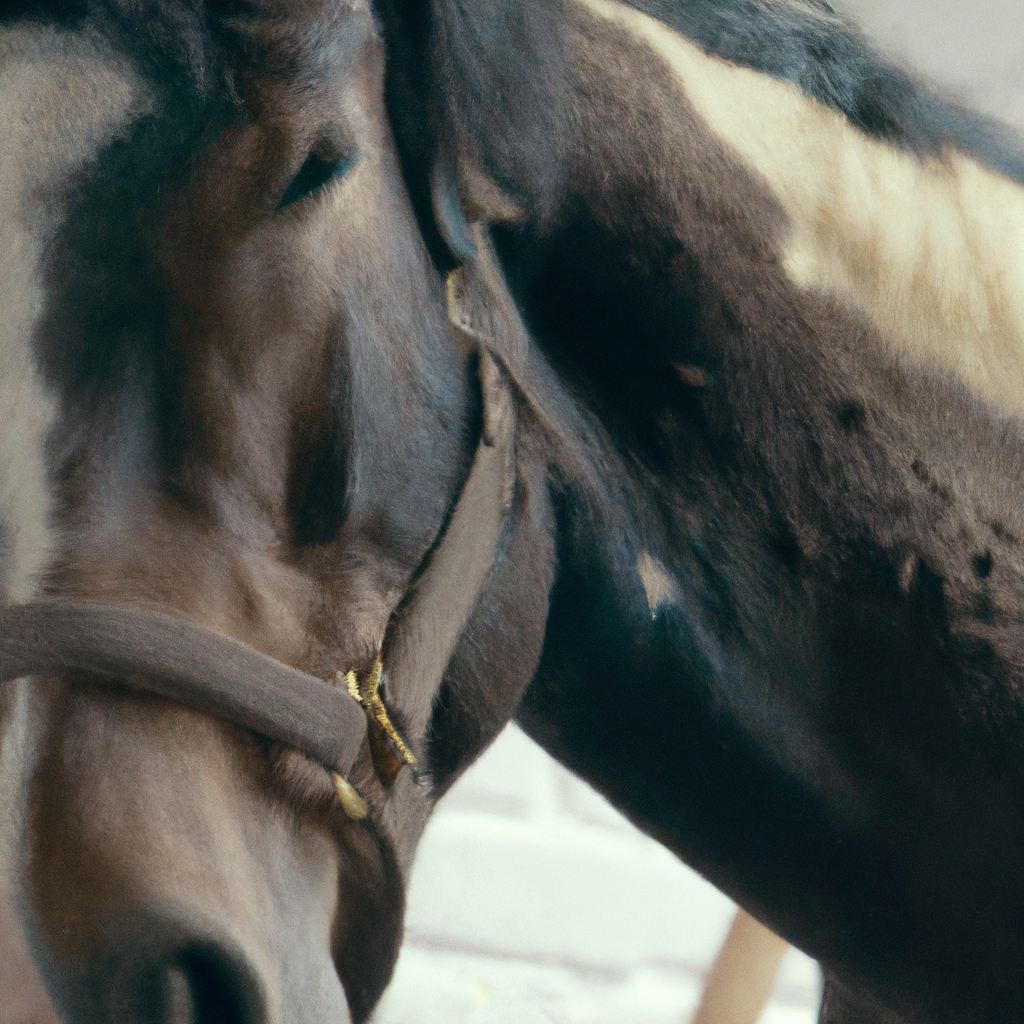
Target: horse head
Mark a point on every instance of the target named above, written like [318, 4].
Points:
[241, 403]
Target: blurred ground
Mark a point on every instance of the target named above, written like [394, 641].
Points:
[531, 900]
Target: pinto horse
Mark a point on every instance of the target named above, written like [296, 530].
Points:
[649, 371]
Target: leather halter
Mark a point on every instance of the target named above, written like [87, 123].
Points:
[155, 653]
[160, 654]
[172, 658]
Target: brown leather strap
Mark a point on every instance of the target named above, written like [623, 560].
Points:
[167, 656]
[480, 307]
[427, 627]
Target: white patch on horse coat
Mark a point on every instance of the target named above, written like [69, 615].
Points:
[658, 585]
[930, 251]
[60, 100]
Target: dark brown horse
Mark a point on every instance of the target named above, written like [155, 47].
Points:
[652, 372]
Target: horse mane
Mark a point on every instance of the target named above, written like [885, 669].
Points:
[806, 43]
[511, 54]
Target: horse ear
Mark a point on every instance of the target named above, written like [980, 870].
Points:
[461, 193]
[449, 214]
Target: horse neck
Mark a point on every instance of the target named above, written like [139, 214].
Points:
[622, 626]
[656, 683]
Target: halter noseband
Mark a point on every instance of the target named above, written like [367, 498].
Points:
[167, 656]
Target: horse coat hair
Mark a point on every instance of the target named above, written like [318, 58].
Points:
[759, 297]
[787, 280]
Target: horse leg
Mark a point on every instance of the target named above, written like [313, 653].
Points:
[743, 975]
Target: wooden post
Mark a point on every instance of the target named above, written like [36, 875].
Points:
[743, 975]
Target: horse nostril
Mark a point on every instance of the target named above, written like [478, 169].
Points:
[176, 1004]
[207, 986]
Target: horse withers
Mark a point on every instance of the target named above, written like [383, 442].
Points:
[649, 371]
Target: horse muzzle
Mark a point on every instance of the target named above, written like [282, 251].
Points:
[163, 883]
[171, 972]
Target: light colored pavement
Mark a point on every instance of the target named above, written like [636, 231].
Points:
[532, 902]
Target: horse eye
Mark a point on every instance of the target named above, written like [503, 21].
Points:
[316, 172]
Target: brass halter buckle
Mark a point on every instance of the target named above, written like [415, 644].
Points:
[370, 699]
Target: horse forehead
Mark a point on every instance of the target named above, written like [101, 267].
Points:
[62, 97]
[63, 94]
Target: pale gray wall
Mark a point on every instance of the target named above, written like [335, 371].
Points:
[976, 49]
